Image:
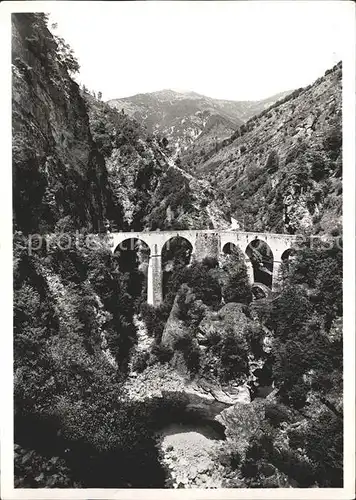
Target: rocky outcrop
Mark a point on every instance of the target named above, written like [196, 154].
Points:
[192, 457]
[241, 421]
[198, 396]
[174, 328]
[230, 317]
[188, 456]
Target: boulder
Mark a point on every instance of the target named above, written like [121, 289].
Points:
[230, 317]
[241, 421]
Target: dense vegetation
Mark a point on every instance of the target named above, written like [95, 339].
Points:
[299, 441]
[68, 306]
[306, 361]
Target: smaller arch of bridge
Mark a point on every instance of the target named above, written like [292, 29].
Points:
[287, 254]
[152, 238]
[286, 257]
[261, 291]
[176, 249]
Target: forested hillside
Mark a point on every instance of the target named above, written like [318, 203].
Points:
[100, 375]
[73, 315]
[152, 190]
[281, 171]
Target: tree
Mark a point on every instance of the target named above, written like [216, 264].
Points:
[272, 162]
[319, 168]
[333, 141]
[237, 287]
[324, 446]
[66, 56]
[233, 357]
[205, 286]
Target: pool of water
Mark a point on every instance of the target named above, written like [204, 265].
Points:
[210, 430]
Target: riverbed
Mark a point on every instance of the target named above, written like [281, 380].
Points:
[188, 455]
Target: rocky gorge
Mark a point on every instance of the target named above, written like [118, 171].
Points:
[214, 416]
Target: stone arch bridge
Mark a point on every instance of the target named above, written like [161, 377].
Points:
[204, 243]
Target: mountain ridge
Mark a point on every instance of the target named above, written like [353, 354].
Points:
[181, 117]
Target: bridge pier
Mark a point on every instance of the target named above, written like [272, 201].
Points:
[249, 268]
[154, 280]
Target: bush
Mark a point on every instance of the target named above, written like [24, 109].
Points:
[276, 414]
[204, 285]
[140, 361]
[254, 336]
[233, 357]
[188, 346]
[155, 319]
[253, 172]
[319, 168]
[324, 446]
[237, 287]
[272, 162]
[333, 141]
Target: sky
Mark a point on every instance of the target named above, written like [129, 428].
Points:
[228, 50]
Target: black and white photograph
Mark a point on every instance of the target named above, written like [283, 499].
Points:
[180, 213]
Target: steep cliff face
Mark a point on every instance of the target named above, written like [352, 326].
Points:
[75, 156]
[281, 171]
[144, 179]
[57, 169]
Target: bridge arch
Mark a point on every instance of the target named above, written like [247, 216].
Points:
[155, 240]
[177, 248]
[285, 259]
[261, 257]
[130, 244]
